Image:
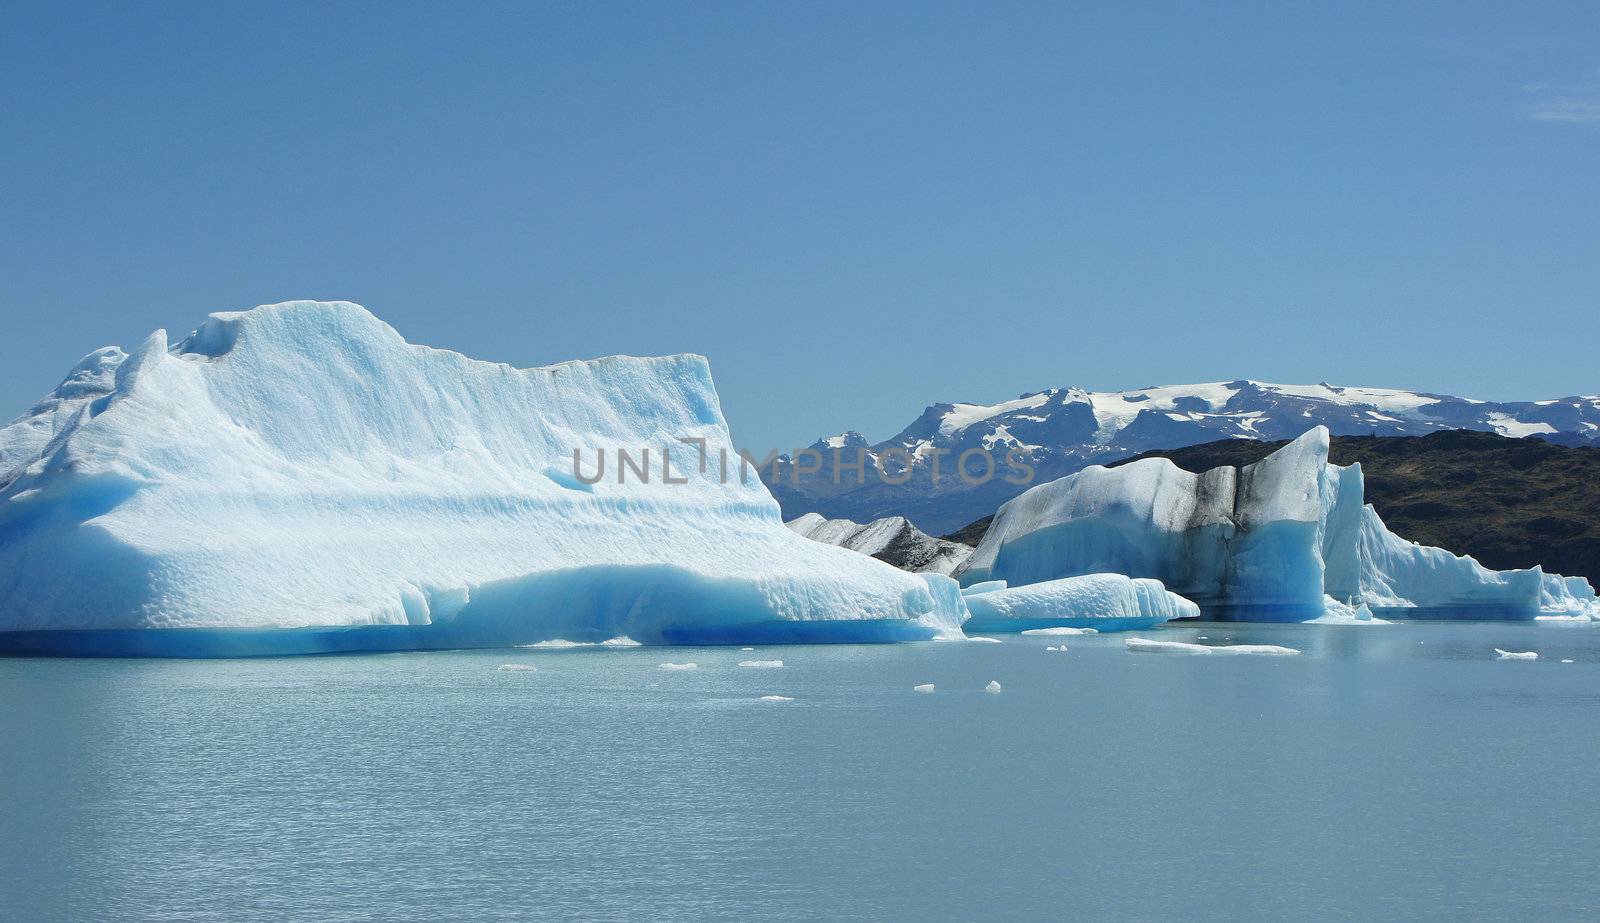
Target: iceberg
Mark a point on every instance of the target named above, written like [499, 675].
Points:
[892, 540]
[1104, 602]
[1284, 539]
[297, 478]
[1183, 647]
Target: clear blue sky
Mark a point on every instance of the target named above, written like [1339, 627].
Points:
[853, 209]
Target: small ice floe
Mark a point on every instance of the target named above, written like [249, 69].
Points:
[680, 666]
[993, 687]
[620, 641]
[746, 648]
[1516, 655]
[1335, 612]
[516, 668]
[777, 698]
[1567, 661]
[557, 644]
[1056, 648]
[1562, 618]
[766, 664]
[983, 640]
[1205, 637]
[1062, 631]
[1181, 647]
[925, 687]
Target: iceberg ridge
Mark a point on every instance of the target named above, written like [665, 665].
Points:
[287, 477]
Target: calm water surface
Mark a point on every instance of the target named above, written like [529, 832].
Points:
[1392, 771]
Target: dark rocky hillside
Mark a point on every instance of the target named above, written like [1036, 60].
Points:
[1507, 502]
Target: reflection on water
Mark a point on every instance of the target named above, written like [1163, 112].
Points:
[1388, 771]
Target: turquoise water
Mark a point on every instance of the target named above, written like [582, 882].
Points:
[1392, 771]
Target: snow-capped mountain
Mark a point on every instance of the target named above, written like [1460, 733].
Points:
[1049, 434]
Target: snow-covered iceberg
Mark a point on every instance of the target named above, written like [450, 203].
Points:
[1268, 541]
[893, 540]
[298, 478]
[1107, 602]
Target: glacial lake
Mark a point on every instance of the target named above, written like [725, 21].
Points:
[1395, 771]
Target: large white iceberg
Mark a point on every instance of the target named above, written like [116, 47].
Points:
[1107, 602]
[1268, 541]
[298, 478]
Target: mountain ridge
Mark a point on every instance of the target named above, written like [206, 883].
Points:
[1058, 431]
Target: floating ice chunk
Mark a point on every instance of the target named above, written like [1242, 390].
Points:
[1109, 602]
[777, 698]
[1335, 612]
[1181, 647]
[980, 639]
[1269, 541]
[680, 666]
[1567, 661]
[1266, 649]
[620, 641]
[993, 687]
[1516, 655]
[516, 668]
[925, 687]
[1054, 648]
[746, 648]
[558, 644]
[767, 664]
[1562, 618]
[1062, 631]
[302, 473]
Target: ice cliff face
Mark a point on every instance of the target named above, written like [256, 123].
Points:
[300, 466]
[892, 540]
[1063, 430]
[1266, 541]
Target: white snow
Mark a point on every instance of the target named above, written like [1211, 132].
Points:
[761, 664]
[301, 466]
[993, 687]
[1181, 647]
[961, 416]
[1507, 425]
[1516, 655]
